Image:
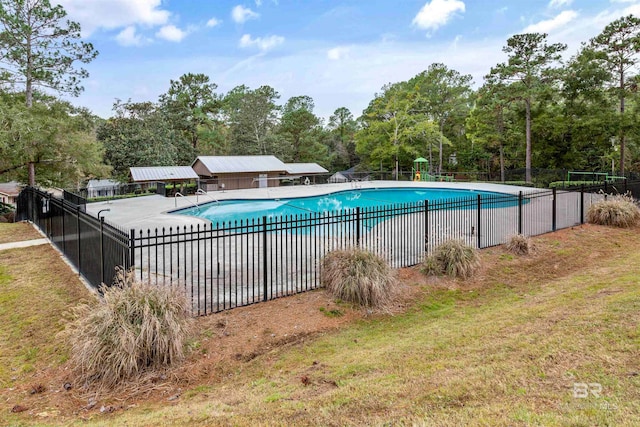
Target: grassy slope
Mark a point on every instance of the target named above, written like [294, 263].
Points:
[505, 349]
[36, 289]
[17, 232]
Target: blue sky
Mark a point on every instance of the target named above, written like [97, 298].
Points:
[338, 52]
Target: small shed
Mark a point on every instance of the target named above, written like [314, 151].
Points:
[102, 188]
[348, 176]
[305, 172]
[235, 172]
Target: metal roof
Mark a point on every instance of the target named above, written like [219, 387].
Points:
[162, 173]
[305, 168]
[239, 164]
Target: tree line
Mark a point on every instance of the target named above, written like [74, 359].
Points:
[535, 110]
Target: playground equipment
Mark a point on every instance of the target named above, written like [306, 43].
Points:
[420, 172]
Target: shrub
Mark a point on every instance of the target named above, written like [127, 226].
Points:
[520, 183]
[359, 277]
[139, 327]
[520, 245]
[617, 211]
[453, 258]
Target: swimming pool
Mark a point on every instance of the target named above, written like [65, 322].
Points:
[247, 210]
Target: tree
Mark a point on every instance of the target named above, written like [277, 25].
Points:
[342, 127]
[190, 105]
[67, 152]
[527, 74]
[589, 115]
[302, 130]
[443, 96]
[38, 49]
[486, 123]
[393, 131]
[618, 46]
[139, 135]
[251, 116]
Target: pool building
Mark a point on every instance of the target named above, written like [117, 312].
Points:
[237, 172]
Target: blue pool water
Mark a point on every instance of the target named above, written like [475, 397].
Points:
[236, 210]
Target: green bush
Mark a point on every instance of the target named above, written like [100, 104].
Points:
[120, 196]
[617, 211]
[453, 258]
[520, 183]
[359, 277]
[520, 245]
[140, 327]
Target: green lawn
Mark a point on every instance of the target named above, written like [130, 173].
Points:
[519, 345]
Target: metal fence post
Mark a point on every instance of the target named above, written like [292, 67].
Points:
[479, 219]
[426, 225]
[79, 237]
[265, 258]
[358, 226]
[554, 210]
[101, 249]
[132, 248]
[582, 204]
[520, 212]
[64, 236]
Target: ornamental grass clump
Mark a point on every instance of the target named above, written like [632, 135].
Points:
[139, 327]
[453, 258]
[616, 211]
[520, 244]
[360, 277]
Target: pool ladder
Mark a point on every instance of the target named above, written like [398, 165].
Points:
[175, 198]
[204, 193]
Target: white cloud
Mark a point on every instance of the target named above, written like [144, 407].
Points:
[436, 13]
[241, 14]
[110, 14]
[557, 4]
[258, 3]
[549, 25]
[263, 44]
[633, 9]
[129, 37]
[213, 22]
[171, 33]
[338, 53]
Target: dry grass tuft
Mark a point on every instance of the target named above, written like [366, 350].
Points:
[520, 244]
[139, 328]
[359, 277]
[453, 258]
[616, 211]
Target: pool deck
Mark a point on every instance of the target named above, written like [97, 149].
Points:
[151, 212]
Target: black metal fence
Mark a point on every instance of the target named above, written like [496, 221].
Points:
[75, 199]
[228, 265]
[94, 247]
